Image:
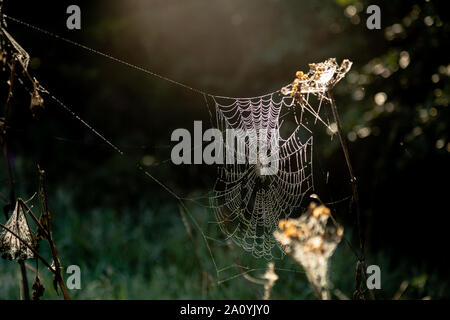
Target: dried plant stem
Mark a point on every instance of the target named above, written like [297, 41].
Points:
[354, 184]
[58, 274]
[49, 237]
[270, 278]
[23, 270]
[355, 252]
[316, 290]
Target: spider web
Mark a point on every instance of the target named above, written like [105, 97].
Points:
[247, 204]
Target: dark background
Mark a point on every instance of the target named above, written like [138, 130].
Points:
[241, 48]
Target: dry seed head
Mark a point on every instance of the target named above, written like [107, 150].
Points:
[299, 74]
[285, 224]
[10, 246]
[320, 211]
[282, 224]
[311, 241]
[315, 244]
[291, 232]
[320, 78]
[285, 90]
[311, 206]
[36, 100]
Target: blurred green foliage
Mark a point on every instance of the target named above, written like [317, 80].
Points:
[121, 259]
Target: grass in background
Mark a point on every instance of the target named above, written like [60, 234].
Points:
[148, 254]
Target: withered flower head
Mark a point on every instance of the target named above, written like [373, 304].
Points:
[38, 289]
[10, 246]
[321, 77]
[311, 242]
[36, 102]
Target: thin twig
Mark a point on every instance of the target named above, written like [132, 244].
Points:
[355, 252]
[49, 236]
[353, 182]
[316, 290]
[33, 217]
[355, 198]
[23, 271]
